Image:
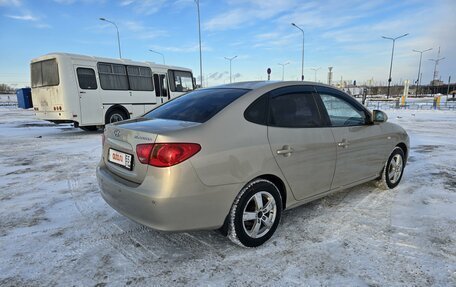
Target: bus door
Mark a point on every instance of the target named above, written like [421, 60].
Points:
[161, 88]
[91, 112]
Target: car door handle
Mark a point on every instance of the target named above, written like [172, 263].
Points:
[82, 92]
[285, 151]
[344, 143]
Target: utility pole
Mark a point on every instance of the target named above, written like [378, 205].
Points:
[418, 80]
[283, 69]
[200, 49]
[118, 37]
[315, 73]
[436, 73]
[391, 64]
[302, 58]
[163, 56]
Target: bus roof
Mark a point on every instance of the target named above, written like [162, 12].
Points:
[103, 59]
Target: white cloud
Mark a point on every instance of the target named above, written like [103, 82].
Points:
[25, 17]
[145, 7]
[140, 31]
[126, 2]
[70, 2]
[65, 2]
[129, 29]
[14, 3]
[274, 40]
[182, 48]
[43, 26]
[217, 75]
[247, 12]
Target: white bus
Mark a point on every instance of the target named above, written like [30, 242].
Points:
[92, 91]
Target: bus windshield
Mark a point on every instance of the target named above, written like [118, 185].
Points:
[181, 81]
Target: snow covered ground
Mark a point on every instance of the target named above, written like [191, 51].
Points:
[55, 229]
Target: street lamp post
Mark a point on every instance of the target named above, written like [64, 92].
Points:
[283, 69]
[163, 56]
[435, 74]
[200, 50]
[391, 64]
[315, 71]
[230, 59]
[302, 58]
[418, 80]
[118, 37]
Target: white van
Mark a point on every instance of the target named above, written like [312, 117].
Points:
[92, 91]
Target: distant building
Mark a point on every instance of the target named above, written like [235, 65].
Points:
[436, 83]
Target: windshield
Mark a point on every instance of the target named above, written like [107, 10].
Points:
[181, 81]
[197, 106]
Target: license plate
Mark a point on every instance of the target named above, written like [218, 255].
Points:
[120, 158]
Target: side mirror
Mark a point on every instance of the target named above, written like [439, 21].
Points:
[379, 116]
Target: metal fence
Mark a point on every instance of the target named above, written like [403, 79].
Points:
[426, 105]
[8, 100]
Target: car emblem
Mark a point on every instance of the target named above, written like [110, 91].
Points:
[117, 133]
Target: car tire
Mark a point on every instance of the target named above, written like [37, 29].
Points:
[115, 115]
[255, 214]
[393, 170]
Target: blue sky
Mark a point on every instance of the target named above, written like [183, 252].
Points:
[343, 34]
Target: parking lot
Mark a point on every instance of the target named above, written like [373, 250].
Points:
[55, 228]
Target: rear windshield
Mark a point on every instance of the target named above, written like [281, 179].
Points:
[197, 106]
[45, 73]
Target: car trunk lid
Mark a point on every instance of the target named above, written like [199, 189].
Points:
[122, 138]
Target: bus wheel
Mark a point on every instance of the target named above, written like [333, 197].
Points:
[89, 128]
[115, 115]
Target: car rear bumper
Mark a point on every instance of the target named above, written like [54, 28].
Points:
[168, 205]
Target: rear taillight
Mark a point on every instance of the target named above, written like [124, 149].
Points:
[166, 154]
[143, 152]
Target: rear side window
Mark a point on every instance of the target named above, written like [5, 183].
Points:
[257, 112]
[140, 78]
[86, 78]
[197, 106]
[294, 110]
[113, 76]
[45, 73]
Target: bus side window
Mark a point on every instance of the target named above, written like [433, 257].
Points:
[86, 78]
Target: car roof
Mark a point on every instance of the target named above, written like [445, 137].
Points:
[252, 85]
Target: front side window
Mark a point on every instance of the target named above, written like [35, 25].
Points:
[181, 81]
[45, 73]
[112, 76]
[294, 110]
[86, 78]
[197, 106]
[140, 78]
[341, 113]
